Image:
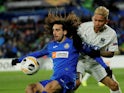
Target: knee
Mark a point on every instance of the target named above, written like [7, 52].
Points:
[30, 87]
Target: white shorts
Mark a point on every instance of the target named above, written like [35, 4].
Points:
[96, 69]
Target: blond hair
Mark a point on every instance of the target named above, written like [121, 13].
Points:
[101, 10]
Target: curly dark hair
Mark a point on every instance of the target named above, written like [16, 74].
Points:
[69, 22]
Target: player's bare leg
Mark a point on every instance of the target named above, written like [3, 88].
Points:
[84, 80]
[53, 87]
[113, 77]
[33, 88]
[113, 85]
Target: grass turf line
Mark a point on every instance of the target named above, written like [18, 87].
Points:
[15, 82]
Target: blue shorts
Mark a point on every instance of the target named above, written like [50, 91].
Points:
[65, 81]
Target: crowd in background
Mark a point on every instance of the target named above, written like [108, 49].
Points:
[20, 37]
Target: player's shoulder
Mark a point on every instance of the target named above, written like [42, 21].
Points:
[68, 40]
[110, 30]
[51, 43]
[87, 24]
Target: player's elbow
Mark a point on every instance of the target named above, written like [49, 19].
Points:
[106, 54]
[109, 56]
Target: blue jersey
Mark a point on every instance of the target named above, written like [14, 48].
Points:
[64, 55]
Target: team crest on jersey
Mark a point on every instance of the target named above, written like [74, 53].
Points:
[102, 40]
[66, 46]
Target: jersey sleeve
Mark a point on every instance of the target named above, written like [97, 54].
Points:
[80, 30]
[37, 54]
[113, 45]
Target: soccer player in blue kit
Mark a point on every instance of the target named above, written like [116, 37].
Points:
[65, 57]
[64, 52]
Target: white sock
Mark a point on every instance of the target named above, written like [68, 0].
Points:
[86, 76]
[118, 91]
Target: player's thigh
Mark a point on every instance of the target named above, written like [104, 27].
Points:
[53, 86]
[98, 72]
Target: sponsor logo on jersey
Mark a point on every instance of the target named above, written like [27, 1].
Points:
[60, 54]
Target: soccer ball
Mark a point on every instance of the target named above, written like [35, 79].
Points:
[29, 65]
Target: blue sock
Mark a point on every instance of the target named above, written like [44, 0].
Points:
[44, 92]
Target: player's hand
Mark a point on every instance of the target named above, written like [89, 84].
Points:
[109, 72]
[14, 61]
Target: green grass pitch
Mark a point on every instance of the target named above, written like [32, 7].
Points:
[15, 82]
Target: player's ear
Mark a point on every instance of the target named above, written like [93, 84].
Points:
[65, 32]
[92, 18]
[107, 21]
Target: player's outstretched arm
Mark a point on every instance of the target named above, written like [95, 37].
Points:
[90, 50]
[94, 52]
[103, 64]
[36, 54]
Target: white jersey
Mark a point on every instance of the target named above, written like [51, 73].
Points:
[106, 39]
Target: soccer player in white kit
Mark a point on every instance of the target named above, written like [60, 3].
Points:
[98, 33]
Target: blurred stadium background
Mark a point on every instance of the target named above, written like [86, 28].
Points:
[22, 31]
